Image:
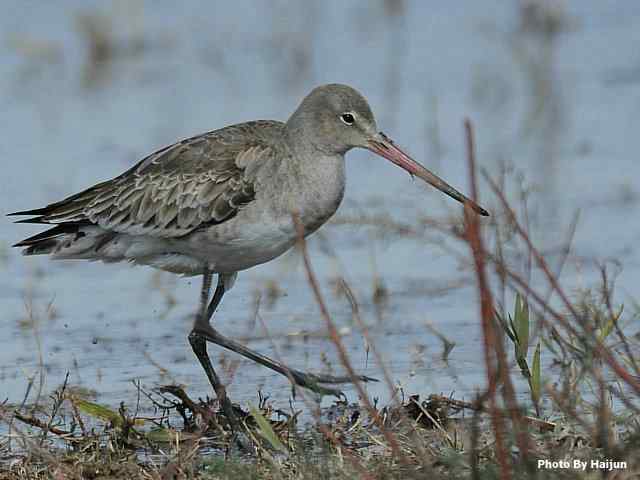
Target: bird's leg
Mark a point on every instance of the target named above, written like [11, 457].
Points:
[199, 344]
[203, 330]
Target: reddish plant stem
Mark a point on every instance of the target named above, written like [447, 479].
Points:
[315, 412]
[342, 352]
[365, 333]
[472, 229]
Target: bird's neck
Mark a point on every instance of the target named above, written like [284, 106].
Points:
[303, 132]
[315, 183]
[322, 183]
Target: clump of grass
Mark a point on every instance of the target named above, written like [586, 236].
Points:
[434, 435]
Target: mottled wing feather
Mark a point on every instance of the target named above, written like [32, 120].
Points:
[198, 181]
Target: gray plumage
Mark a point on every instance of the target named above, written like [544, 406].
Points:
[222, 200]
[199, 181]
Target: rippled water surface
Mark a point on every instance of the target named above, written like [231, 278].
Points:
[561, 108]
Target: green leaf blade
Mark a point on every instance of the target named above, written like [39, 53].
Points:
[266, 431]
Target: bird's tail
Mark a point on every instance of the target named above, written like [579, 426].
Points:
[50, 241]
[71, 241]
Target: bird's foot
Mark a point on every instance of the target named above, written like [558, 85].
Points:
[315, 381]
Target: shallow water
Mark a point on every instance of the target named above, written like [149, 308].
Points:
[66, 125]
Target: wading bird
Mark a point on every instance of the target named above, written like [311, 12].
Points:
[225, 201]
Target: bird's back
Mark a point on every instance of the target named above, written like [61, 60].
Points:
[189, 185]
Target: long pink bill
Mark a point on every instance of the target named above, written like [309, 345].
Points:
[384, 146]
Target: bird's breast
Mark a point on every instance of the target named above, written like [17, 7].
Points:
[319, 191]
[264, 228]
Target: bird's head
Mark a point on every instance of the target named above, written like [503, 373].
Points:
[335, 118]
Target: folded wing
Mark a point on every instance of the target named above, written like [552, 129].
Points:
[199, 181]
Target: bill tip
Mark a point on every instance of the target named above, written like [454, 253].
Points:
[477, 208]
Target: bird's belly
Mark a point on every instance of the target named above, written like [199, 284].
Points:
[249, 239]
[241, 254]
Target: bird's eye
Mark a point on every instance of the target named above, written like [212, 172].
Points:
[347, 118]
